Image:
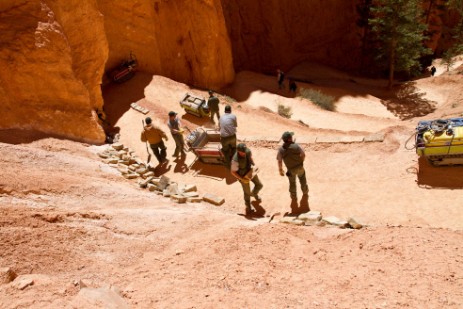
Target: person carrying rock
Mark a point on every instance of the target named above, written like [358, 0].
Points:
[227, 128]
[213, 103]
[242, 168]
[154, 136]
[293, 156]
[177, 134]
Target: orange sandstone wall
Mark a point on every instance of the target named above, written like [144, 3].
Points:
[54, 54]
[185, 40]
[48, 72]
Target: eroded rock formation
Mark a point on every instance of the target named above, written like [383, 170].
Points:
[54, 53]
[50, 67]
[184, 40]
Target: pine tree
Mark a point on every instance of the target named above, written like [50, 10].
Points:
[399, 31]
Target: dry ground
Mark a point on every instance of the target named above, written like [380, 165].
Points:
[67, 218]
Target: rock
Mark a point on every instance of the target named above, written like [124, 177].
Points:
[291, 220]
[163, 182]
[213, 199]
[148, 174]
[354, 224]
[7, 275]
[190, 194]
[165, 193]
[310, 218]
[189, 188]
[152, 187]
[141, 170]
[111, 161]
[194, 199]
[132, 167]
[118, 146]
[335, 221]
[144, 183]
[124, 162]
[131, 176]
[127, 158]
[98, 298]
[121, 153]
[103, 155]
[156, 181]
[22, 282]
[377, 137]
[178, 198]
[173, 188]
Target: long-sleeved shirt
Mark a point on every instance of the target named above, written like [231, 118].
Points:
[152, 134]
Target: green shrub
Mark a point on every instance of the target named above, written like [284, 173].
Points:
[318, 98]
[284, 111]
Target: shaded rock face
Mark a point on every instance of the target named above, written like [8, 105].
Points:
[51, 67]
[270, 34]
[184, 40]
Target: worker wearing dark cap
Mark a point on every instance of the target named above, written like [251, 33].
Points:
[227, 128]
[242, 168]
[293, 156]
[177, 133]
[154, 136]
[213, 103]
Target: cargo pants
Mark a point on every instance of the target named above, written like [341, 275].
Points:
[298, 171]
[247, 190]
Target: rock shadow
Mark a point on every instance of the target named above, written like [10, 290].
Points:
[434, 177]
[19, 136]
[200, 121]
[214, 171]
[117, 97]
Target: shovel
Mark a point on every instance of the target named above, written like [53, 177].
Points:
[147, 150]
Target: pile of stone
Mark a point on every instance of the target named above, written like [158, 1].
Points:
[315, 218]
[138, 108]
[132, 167]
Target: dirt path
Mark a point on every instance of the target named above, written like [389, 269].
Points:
[67, 220]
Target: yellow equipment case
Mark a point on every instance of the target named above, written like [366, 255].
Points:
[440, 141]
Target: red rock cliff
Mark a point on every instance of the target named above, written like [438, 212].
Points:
[50, 69]
[268, 34]
[183, 39]
[53, 55]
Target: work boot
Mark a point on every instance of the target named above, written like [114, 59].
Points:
[249, 211]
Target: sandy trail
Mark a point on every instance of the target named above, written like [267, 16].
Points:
[66, 217]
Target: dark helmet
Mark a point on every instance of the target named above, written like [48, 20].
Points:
[211, 92]
[172, 113]
[228, 109]
[148, 120]
[241, 147]
[287, 136]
